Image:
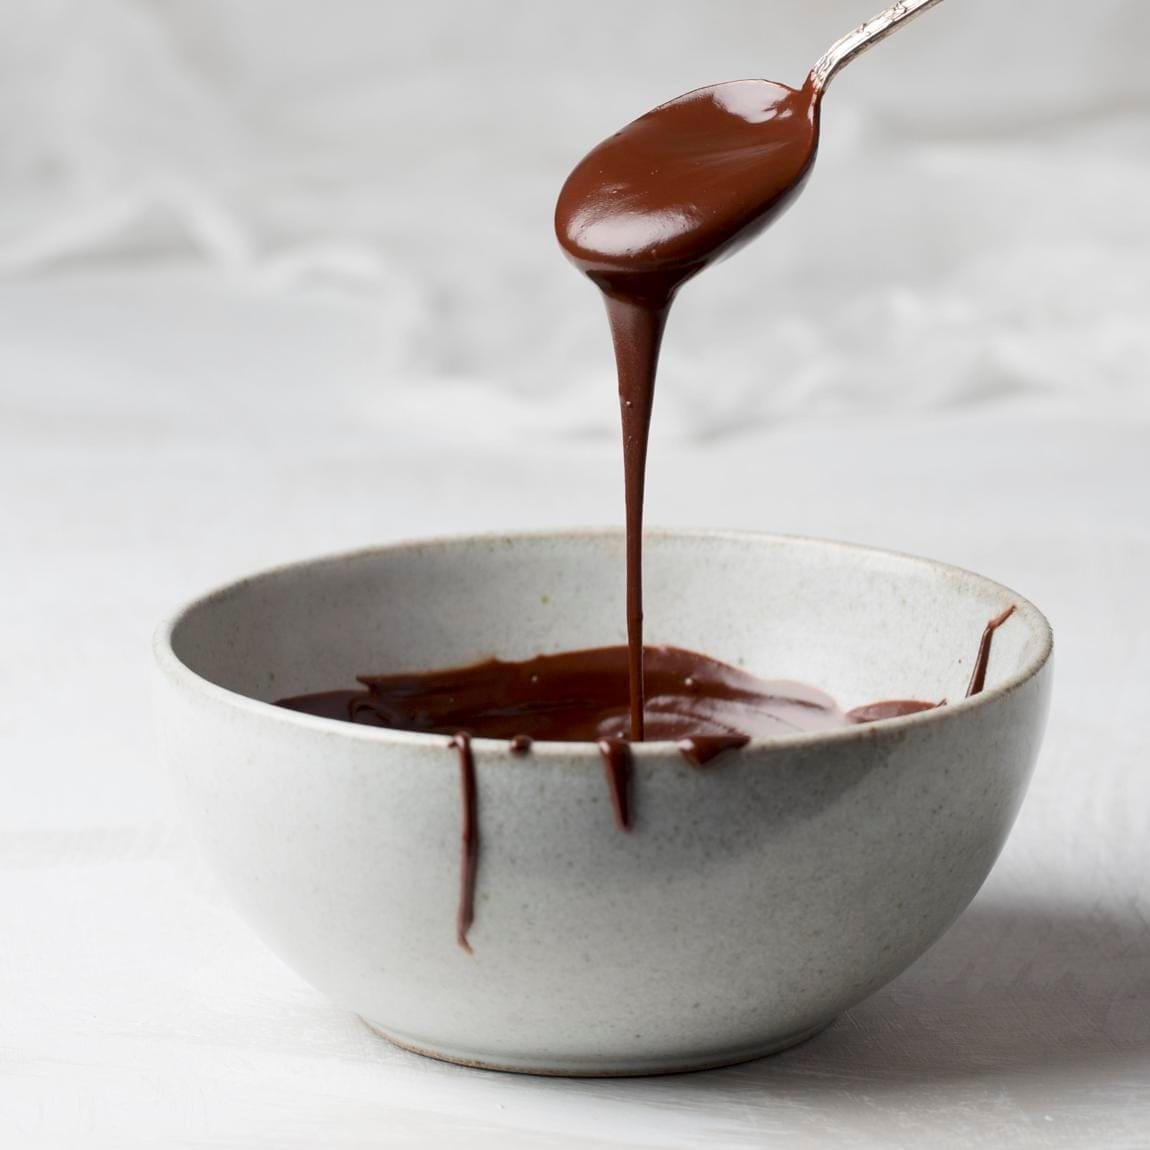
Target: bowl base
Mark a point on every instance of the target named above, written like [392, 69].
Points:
[603, 1067]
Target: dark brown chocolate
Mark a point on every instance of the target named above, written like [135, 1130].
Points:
[469, 854]
[705, 750]
[681, 187]
[890, 709]
[982, 660]
[582, 696]
[618, 766]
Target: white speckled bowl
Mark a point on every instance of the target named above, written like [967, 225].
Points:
[750, 904]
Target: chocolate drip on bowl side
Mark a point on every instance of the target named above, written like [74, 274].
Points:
[704, 750]
[618, 767]
[982, 660]
[469, 854]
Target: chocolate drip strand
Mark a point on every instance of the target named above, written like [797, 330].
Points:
[469, 861]
[982, 662]
[703, 750]
[618, 767]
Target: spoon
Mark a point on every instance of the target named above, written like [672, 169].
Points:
[698, 177]
[865, 36]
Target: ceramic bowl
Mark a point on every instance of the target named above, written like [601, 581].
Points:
[749, 905]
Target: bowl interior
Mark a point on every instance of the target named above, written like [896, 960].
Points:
[859, 623]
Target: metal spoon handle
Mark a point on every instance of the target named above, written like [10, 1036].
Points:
[865, 36]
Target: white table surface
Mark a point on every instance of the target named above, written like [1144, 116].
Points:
[162, 430]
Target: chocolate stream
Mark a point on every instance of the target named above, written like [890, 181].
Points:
[651, 207]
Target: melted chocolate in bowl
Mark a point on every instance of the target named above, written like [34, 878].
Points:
[707, 707]
[581, 697]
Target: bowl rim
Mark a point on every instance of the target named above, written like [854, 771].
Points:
[182, 676]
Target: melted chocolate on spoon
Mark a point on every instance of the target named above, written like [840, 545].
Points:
[678, 189]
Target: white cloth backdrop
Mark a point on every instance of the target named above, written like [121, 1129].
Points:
[976, 176]
[277, 277]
